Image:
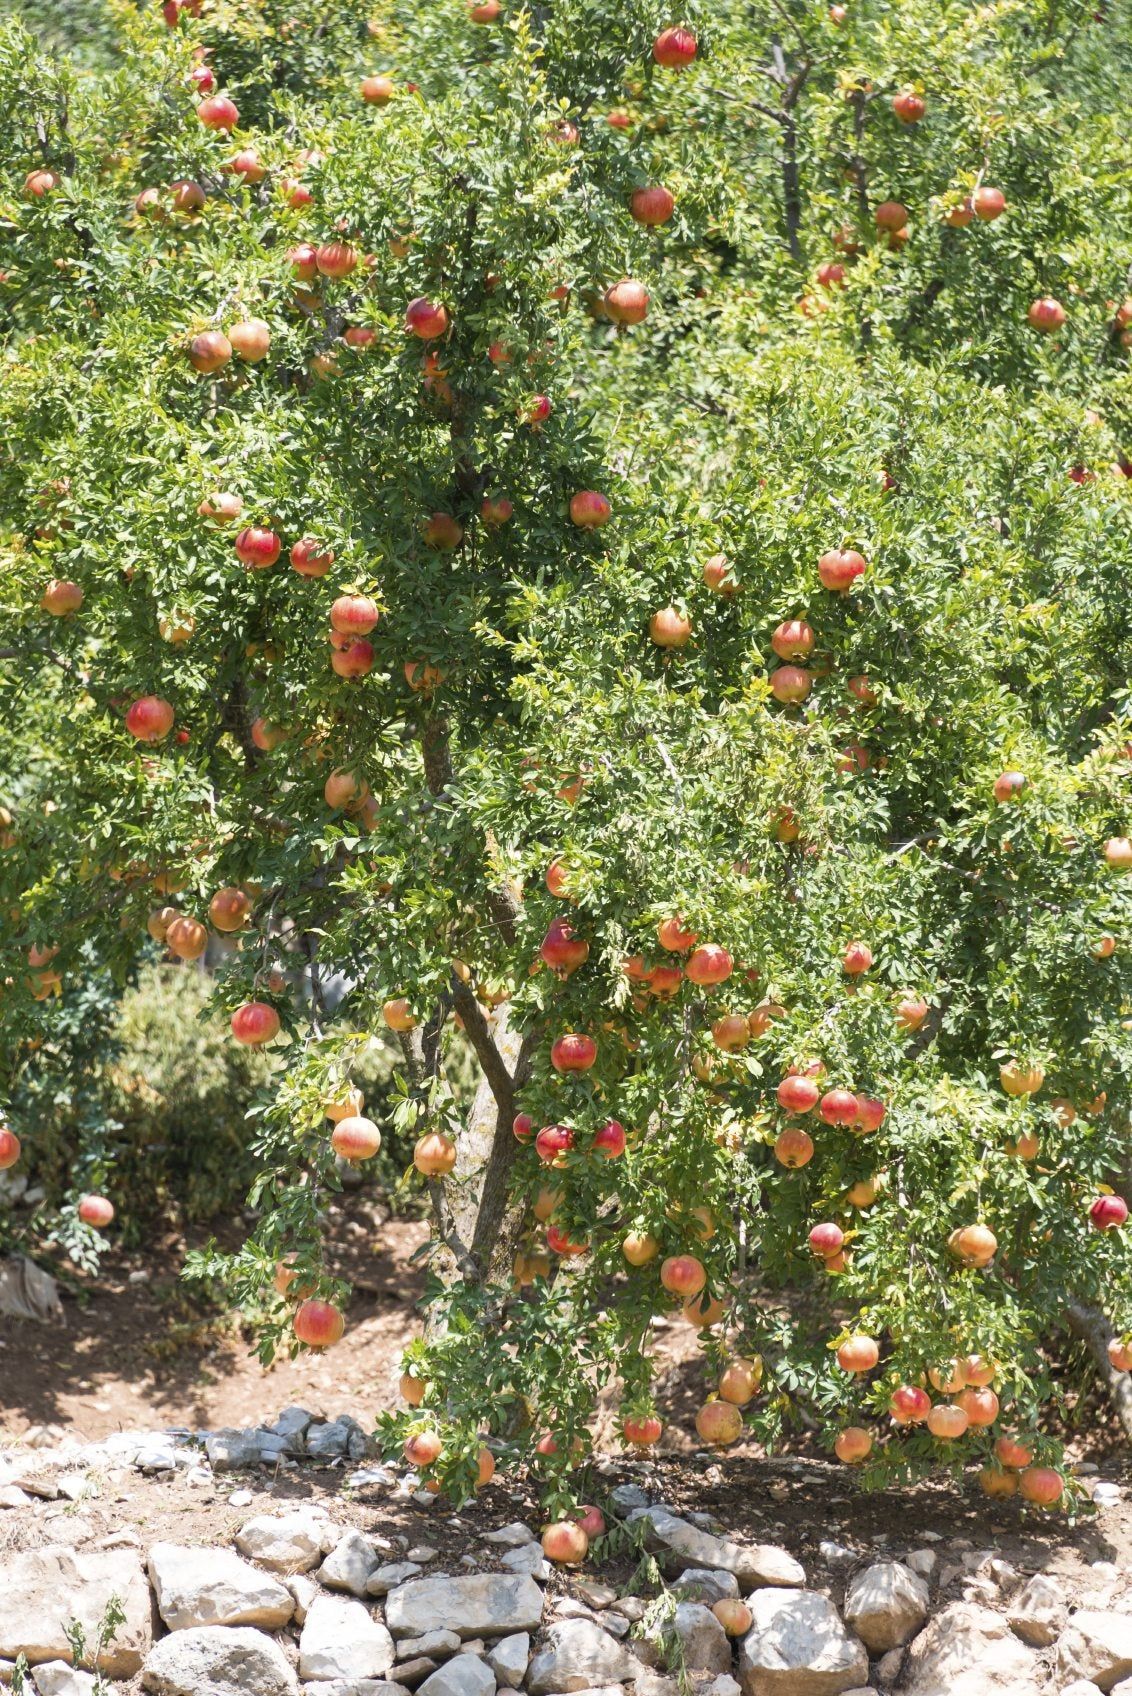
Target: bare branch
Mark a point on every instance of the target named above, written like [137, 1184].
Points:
[479, 1035]
[412, 1047]
[504, 1150]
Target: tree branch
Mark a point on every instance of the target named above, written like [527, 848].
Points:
[504, 1150]
[488, 1055]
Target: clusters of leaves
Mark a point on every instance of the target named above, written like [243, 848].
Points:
[908, 411]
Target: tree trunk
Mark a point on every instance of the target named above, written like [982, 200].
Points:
[1091, 1326]
[477, 1230]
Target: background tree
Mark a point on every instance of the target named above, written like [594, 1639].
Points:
[710, 480]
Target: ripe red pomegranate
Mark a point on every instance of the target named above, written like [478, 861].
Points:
[1008, 1451]
[794, 1148]
[254, 1023]
[717, 576]
[798, 1095]
[870, 1114]
[674, 48]
[858, 1353]
[562, 951]
[790, 684]
[209, 352]
[573, 1052]
[61, 598]
[351, 658]
[988, 204]
[610, 1140]
[39, 183]
[186, 938]
[96, 1210]
[311, 558]
[651, 205]
[589, 510]
[522, 1127]
[303, 261]
[318, 1324]
[973, 1245]
[672, 934]
[947, 1420]
[683, 1275]
[708, 964]
[793, 640]
[434, 1155]
[353, 615]
[852, 1445]
[229, 909]
[838, 1107]
[909, 107]
[979, 1404]
[222, 508]
[442, 532]
[857, 959]
[335, 259]
[558, 1240]
[1009, 785]
[565, 1542]
[257, 547]
[827, 1239]
[590, 1519]
[553, 1141]
[218, 113]
[891, 215]
[642, 1430]
[246, 164]
[911, 1011]
[425, 320]
[719, 1423]
[9, 1149]
[670, 628]
[1040, 1485]
[150, 719]
[1046, 314]
[377, 91]
[626, 302]
[187, 196]
[1108, 1213]
[355, 1138]
[495, 511]
[909, 1405]
[840, 568]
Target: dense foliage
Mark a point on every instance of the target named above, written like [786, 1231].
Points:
[724, 723]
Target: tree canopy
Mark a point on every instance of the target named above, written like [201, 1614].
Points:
[601, 538]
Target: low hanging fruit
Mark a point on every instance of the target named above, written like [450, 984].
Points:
[355, 1138]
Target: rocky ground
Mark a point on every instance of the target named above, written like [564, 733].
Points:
[281, 1559]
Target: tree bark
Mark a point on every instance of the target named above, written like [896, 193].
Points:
[1091, 1326]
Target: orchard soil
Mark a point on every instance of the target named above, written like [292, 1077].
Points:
[144, 1352]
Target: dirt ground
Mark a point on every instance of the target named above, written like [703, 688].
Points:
[148, 1355]
[137, 1349]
